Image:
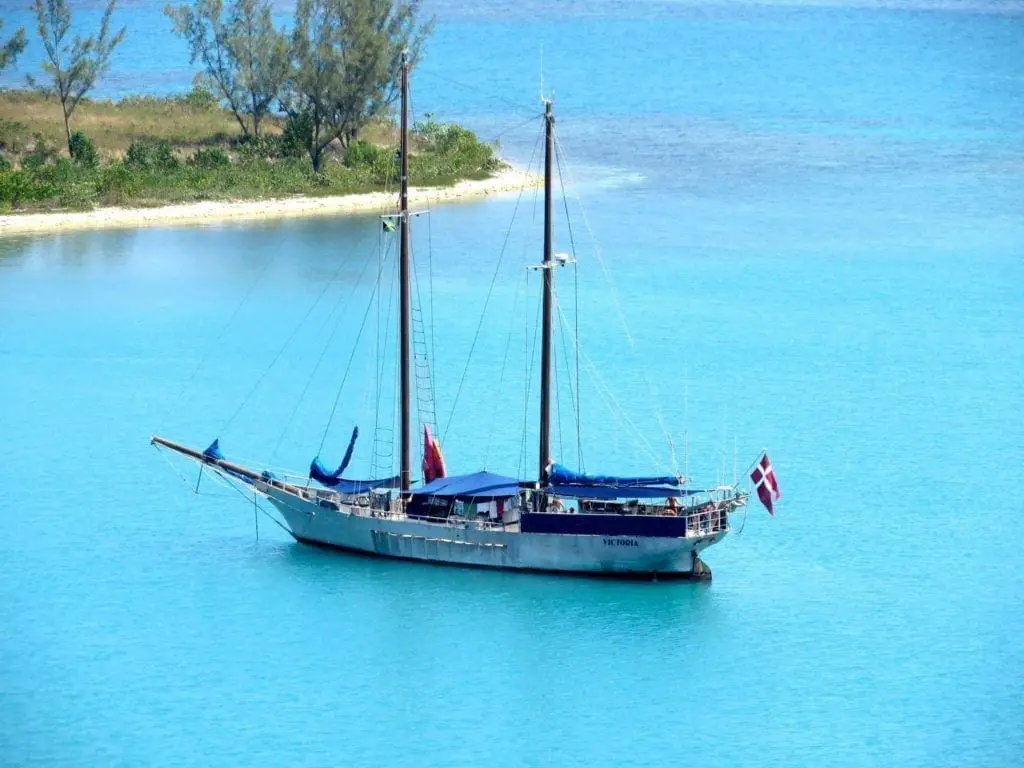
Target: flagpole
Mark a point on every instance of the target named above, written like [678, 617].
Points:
[756, 461]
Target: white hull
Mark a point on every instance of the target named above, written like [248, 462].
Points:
[473, 544]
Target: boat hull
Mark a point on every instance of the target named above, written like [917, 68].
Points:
[467, 544]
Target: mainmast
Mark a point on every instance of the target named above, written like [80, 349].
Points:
[405, 316]
[548, 270]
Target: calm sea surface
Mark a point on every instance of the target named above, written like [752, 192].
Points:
[813, 220]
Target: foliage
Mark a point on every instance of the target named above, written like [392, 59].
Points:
[449, 152]
[200, 98]
[10, 50]
[244, 57]
[41, 154]
[297, 135]
[13, 136]
[265, 147]
[210, 159]
[83, 152]
[345, 63]
[148, 155]
[73, 66]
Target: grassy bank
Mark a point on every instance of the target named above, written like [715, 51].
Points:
[151, 151]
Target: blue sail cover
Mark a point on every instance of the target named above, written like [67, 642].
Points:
[482, 486]
[318, 472]
[609, 492]
[604, 484]
[213, 452]
[322, 475]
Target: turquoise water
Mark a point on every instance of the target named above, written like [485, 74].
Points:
[812, 218]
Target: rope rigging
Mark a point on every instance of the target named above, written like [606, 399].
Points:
[327, 344]
[284, 346]
[620, 313]
[348, 365]
[220, 336]
[487, 299]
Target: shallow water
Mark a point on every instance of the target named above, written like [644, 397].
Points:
[812, 219]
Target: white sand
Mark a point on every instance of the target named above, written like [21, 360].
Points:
[506, 182]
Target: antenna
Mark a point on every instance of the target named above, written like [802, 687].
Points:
[735, 459]
[544, 99]
[686, 421]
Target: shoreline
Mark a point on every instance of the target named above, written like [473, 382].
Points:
[508, 181]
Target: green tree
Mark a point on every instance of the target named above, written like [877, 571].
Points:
[9, 51]
[244, 57]
[345, 64]
[74, 66]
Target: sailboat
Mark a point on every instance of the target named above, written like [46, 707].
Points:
[562, 521]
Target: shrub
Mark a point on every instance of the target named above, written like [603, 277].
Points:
[139, 155]
[117, 184]
[163, 156]
[210, 159]
[41, 154]
[264, 147]
[82, 150]
[14, 188]
[14, 136]
[298, 132]
[200, 99]
[5, 164]
[146, 156]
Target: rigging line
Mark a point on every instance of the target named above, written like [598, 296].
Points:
[572, 395]
[576, 289]
[617, 301]
[283, 347]
[558, 390]
[244, 495]
[382, 346]
[323, 351]
[430, 295]
[519, 108]
[426, 350]
[531, 357]
[515, 127]
[384, 339]
[576, 349]
[501, 375]
[614, 401]
[348, 365]
[223, 331]
[487, 299]
[429, 345]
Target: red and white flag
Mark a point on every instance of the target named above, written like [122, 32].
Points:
[765, 482]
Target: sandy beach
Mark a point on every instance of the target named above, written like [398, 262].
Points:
[509, 181]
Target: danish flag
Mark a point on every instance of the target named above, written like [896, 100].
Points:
[765, 482]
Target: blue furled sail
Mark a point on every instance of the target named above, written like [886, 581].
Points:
[610, 492]
[562, 476]
[213, 452]
[322, 475]
[334, 480]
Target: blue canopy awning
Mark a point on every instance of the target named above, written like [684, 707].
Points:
[481, 486]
